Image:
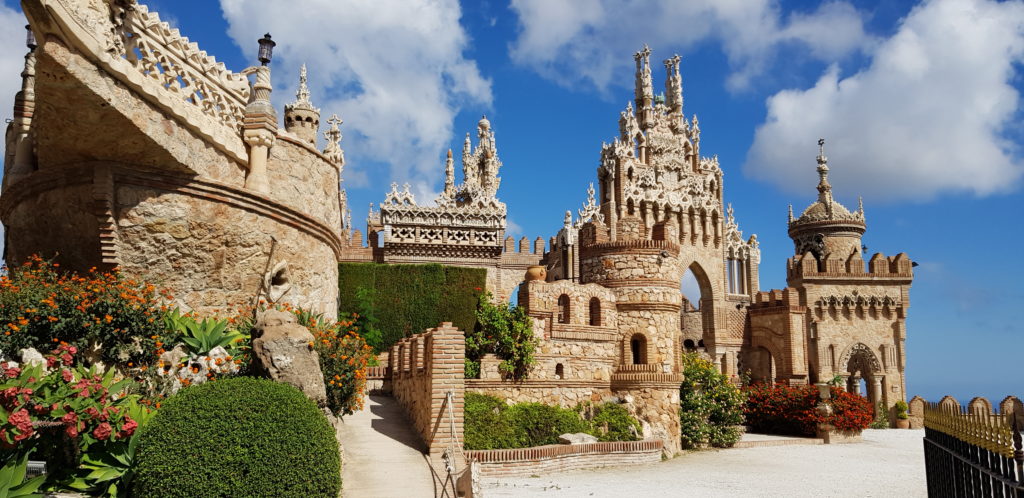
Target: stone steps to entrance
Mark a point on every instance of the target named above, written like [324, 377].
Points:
[751, 440]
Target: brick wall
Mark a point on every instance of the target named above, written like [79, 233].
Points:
[424, 368]
[564, 457]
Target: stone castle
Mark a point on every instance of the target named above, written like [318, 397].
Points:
[131, 147]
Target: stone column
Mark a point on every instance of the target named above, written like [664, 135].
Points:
[855, 385]
[259, 130]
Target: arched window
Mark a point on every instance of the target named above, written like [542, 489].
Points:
[563, 308]
[638, 349]
[595, 312]
[559, 371]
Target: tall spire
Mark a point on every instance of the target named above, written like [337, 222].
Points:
[302, 96]
[673, 85]
[644, 87]
[824, 188]
[449, 175]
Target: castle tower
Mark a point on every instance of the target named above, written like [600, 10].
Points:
[644, 276]
[300, 117]
[480, 166]
[656, 187]
[826, 227]
[847, 316]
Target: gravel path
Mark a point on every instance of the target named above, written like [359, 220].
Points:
[887, 463]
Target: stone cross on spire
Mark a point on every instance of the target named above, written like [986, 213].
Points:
[333, 149]
[824, 188]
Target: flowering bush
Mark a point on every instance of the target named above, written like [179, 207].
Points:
[106, 316]
[61, 410]
[710, 407]
[344, 356]
[782, 409]
[504, 330]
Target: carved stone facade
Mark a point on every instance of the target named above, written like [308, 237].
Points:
[134, 148]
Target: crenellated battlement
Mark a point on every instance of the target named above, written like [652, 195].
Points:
[897, 267]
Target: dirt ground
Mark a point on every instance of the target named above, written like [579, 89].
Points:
[888, 463]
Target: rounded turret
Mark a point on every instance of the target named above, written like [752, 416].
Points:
[300, 117]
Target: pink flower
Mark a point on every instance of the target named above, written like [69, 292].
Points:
[92, 412]
[12, 372]
[128, 428]
[68, 376]
[102, 431]
[67, 359]
[51, 361]
[22, 420]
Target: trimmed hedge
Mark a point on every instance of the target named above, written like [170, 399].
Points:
[238, 437]
[408, 299]
[490, 423]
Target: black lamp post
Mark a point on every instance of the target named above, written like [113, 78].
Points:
[266, 49]
[30, 38]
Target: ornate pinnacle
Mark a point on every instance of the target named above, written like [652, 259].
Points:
[729, 213]
[824, 188]
[449, 175]
[303, 94]
[791, 213]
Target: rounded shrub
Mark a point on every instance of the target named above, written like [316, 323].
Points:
[238, 437]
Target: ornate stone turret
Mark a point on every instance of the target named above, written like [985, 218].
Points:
[449, 176]
[673, 86]
[826, 226]
[300, 117]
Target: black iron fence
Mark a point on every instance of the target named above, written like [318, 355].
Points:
[972, 454]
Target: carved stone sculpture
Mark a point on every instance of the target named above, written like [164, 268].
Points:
[282, 350]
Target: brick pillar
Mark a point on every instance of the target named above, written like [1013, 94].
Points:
[447, 374]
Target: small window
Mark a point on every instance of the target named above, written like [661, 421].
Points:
[595, 312]
[563, 308]
[638, 348]
[689, 345]
[559, 371]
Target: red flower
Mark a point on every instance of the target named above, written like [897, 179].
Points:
[67, 375]
[12, 372]
[102, 431]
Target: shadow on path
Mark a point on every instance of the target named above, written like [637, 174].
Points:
[383, 453]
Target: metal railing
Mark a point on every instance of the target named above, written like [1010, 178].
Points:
[972, 455]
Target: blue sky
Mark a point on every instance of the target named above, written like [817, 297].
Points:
[919, 103]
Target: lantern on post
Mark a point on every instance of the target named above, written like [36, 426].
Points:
[30, 38]
[266, 49]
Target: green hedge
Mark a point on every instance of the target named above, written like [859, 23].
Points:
[490, 423]
[238, 437]
[408, 299]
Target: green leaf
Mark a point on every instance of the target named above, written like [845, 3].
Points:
[29, 487]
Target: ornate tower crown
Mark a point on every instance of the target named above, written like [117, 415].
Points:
[300, 117]
[825, 217]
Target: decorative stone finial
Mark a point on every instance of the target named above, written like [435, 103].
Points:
[673, 85]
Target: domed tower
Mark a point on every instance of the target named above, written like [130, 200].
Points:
[826, 227]
[300, 117]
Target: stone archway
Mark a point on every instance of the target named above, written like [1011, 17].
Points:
[861, 362]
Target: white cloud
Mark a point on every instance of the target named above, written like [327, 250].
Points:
[394, 71]
[12, 58]
[589, 41]
[926, 116]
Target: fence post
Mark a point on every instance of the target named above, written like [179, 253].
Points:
[1018, 448]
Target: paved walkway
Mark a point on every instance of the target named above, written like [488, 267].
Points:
[383, 456]
[888, 463]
